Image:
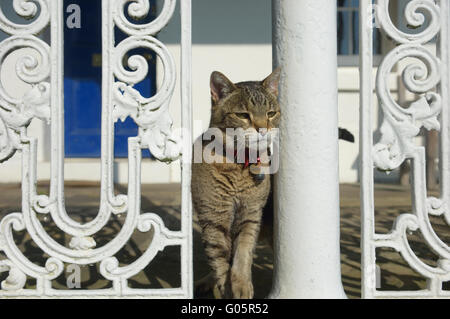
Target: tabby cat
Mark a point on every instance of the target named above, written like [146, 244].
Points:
[228, 197]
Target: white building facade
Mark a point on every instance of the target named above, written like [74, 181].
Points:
[234, 37]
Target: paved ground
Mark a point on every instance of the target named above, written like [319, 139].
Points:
[82, 203]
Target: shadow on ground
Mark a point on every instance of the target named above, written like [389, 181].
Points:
[164, 271]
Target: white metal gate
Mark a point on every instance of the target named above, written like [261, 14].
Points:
[119, 100]
[428, 78]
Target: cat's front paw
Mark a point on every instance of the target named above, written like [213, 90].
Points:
[222, 288]
[241, 286]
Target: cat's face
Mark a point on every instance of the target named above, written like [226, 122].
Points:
[252, 106]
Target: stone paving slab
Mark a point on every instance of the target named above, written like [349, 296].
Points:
[82, 204]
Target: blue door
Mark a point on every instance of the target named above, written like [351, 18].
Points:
[82, 85]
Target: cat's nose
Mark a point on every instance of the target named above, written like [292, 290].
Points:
[260, 125]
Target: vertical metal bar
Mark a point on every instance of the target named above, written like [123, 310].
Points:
[57, 101]
[368, 282]
[443, 52]
[187, 124]
[107, 131]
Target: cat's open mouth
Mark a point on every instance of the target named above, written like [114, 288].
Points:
[256, 149]
[255, 141]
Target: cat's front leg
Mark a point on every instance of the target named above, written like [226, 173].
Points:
[216, 224]
[243, 246]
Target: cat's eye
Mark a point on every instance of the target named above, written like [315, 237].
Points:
[271, 114]
[243, 116]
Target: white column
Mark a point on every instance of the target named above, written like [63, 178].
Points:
[307, 253]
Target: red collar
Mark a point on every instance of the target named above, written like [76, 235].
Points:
[247, 158]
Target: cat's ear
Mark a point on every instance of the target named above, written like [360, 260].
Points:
[220, 86]
[272, 81]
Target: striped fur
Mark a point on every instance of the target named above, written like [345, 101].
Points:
[227, 198]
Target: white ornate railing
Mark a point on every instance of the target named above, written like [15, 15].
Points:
[119, 100]
[430, 79]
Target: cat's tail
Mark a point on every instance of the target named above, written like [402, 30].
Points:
[346, 135]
